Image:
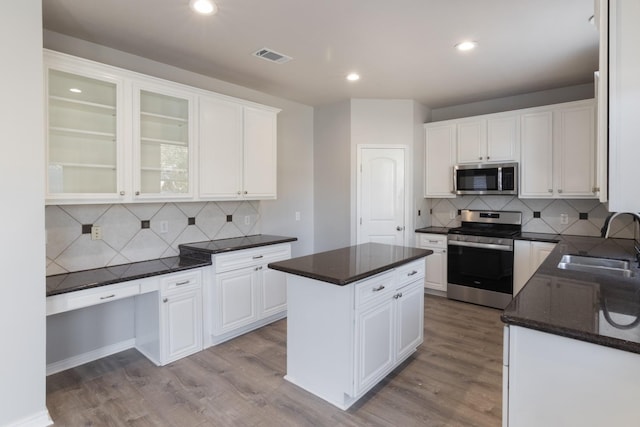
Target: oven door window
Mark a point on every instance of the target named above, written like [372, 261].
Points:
[477, 179]
[481, 268]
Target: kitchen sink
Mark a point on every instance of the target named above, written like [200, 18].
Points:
[616, 267]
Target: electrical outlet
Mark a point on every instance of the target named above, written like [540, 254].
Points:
[96, 232]
[452, 214]
[297, 216]
[247, 220]
[164, 227]
[564, 219]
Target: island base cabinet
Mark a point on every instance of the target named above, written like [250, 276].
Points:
[342, 340]
[551, 380]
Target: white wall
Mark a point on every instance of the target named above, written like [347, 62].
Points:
[332, 193]
[295, 135]
[533, 99]
[389, 122]
[22, 308]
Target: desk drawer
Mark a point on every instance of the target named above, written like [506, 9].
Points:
[180, 281]
[432, 241]
[79, 299]
[410, 272]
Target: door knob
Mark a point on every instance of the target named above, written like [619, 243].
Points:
[399, 228]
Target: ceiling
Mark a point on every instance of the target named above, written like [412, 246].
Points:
[402, 48]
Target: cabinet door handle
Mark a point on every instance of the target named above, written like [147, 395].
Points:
[550, 190]
[399, 228]
[412, 273]
[559, 191]
[165, 300]
[488, 157]
[108, 296]
[258, 268]
[378, 289]
[433, 241]
[184, 282]
[122, 193]
[258, 256]
[398, 295]
[239, 193]
[137, 193]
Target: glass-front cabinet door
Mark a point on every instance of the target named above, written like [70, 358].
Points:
[83, 136]
[163, 140]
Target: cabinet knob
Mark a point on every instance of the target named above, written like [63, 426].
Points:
[596, 189]
[137, 193]
[122, 193]
[480, 158]
[246, 192]
[165, 299]
[239, 193]
[550, 190]
[488, 157]
[559, 191]
[399, 228]
[258, 268]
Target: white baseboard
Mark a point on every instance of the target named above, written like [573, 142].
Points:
[40, 419]
[89, 356]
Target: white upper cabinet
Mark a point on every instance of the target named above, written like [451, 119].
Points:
[163, 143]
[238, 149]
[559, 151]
[116, 136]
[440, 157]
[536, 168]
[84, 132]
[488, 139]
[575, 151]
[624, 103]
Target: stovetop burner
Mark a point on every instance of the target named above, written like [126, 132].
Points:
[501, 224]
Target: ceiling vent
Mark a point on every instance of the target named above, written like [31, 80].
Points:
[272, 56]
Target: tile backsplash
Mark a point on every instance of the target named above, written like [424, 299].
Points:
[138, 232]
[584, 217]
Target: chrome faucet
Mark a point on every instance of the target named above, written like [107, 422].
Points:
[604, 232]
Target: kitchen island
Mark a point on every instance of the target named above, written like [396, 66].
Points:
[354, 314]
[572, 341]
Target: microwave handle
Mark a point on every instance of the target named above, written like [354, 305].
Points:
[453, 180]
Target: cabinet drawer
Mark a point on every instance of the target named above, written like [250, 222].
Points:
[410, 272]
[432, 240]
[88, 297]
[180, 281]
[248, 257]
[375, 289]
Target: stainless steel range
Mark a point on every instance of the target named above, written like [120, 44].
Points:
[480, 257]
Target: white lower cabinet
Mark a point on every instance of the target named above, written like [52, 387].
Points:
[528, 256]
[169, 322]
[343, 340]
[246, 294]
[435, 275]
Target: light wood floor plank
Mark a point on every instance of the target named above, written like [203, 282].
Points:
[454, 379]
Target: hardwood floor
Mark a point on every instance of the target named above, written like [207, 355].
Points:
[454, 379]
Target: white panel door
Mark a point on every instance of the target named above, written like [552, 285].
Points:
[237, 299]
[472, 141]
[274, 292]
[439, 158]
[381, 196]
[410, 319]
[182, 325]
[536, 168]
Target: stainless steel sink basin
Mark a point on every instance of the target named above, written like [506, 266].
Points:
[617, 267]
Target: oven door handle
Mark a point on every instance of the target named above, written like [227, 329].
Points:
[505, 248]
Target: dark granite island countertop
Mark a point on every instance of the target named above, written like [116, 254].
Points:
[350, 264]
[600, 308]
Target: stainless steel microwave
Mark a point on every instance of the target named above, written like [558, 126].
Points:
[486, 178]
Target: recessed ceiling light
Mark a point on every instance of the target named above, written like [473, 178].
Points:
[352, 77]
[75, 90]
[203, 7]
[466, 45]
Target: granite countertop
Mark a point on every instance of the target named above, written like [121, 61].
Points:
[80, 280]
[600, 308]
[350, 264]
[433, 230]
[212, 247]
[192, 255]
